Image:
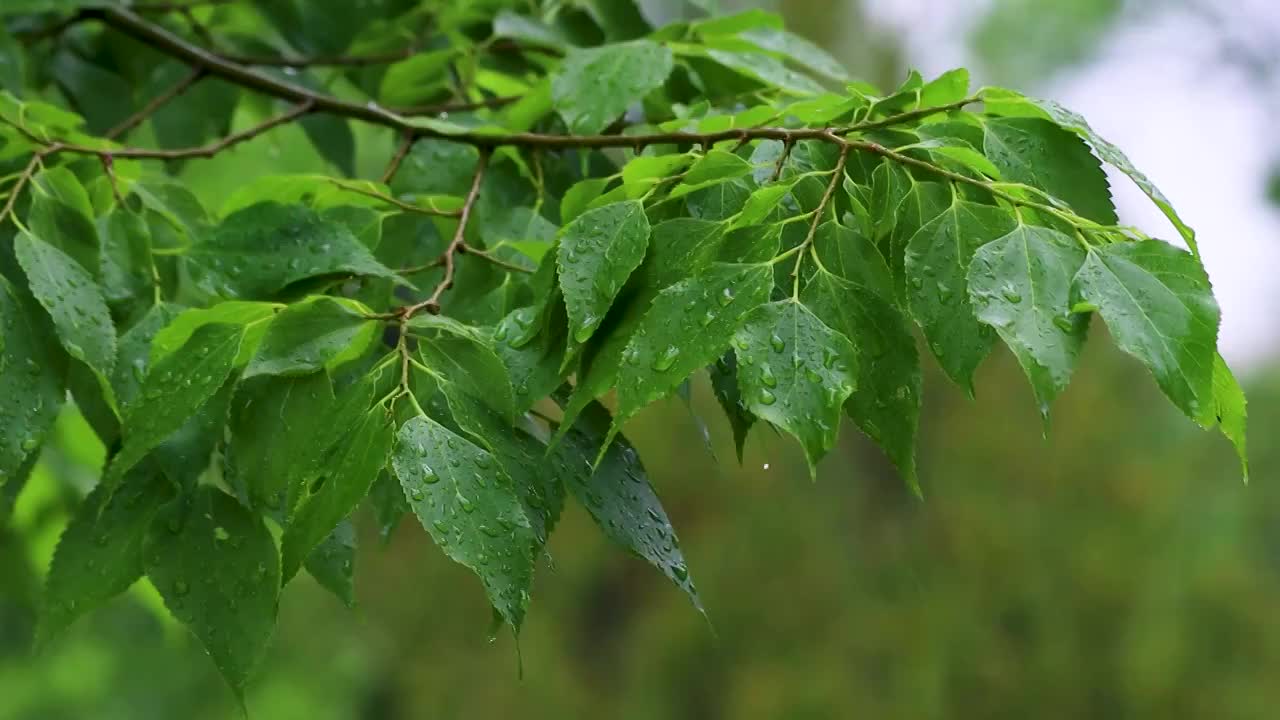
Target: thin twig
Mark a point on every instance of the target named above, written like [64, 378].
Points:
[397, 202]
[23, 178]
[406, 144]
[156, 103]
[201, 151]
[837, 176]
[449, 256]
[909, 116]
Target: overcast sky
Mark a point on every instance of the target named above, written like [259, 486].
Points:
[1189, 118]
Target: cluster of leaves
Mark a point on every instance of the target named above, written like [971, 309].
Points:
[576, 204]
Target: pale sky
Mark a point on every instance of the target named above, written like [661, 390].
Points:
[1194, 122]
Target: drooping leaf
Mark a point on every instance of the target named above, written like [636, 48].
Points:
[175, 388]
[1230, 411]
[796, 373]
[354, 465]
[596, 85]
[886, 401]
[724, 385]
[937, 269]
[309, 336]
[598, 251]
[134, 351]
[100, 553]
[688, 326]
[332, 563]
[470, 508]
[679, 249]
[73, 300]
[519, 454]
[217, 568]
[1159, 307]
[618, 495]
[1021, 286]
[32, 379]
[281, 433]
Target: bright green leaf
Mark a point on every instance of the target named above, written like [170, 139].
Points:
[1160, 309]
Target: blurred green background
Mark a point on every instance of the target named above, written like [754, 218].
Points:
[1116, 568]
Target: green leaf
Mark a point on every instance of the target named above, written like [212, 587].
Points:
[333, 495]
[175, 388]
[886, 401]
[126, 257]
[100, 553]
[1043, 155]
[594, 86]
[1230, 411]
[436, 167]
[258, 251]
[1007, 102]
[716, 166]
[761, 203]
[216, 566]
[796, 373]
[765, 69]
[949, 87]
[597, 253]
[72, 299]
[1160, 309]
[281, 433]
[252, 317]
[416, 79]
[919, 203]
[643, 173]
[134, 351]
[937, 268]
[533, 369]
[619, 497]
[724, 385]
[853, 256]
[793, 47]
[679, 249]
[687, 327]
[1021, 286]
[470, 508]
[309, 336]
[466, 357]
[33, 373]
[519, 454]
[62, 214]
[332, 563]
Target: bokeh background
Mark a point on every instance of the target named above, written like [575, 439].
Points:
[1115, 568]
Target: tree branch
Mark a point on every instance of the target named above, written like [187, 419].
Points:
[307, 100]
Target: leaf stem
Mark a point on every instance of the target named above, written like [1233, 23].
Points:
[836, 177]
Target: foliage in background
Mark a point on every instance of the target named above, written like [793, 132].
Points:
[574, 202]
